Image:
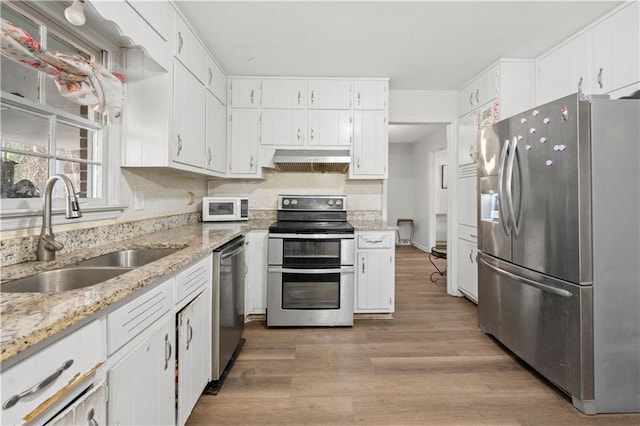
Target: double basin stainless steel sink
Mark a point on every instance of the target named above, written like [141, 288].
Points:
[87, 272]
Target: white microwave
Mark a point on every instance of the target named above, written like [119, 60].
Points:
[220, 209]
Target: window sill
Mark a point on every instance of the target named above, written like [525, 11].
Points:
[32, 218]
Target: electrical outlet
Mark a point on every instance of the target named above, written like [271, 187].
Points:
[139, 195]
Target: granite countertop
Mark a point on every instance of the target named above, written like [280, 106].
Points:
[29, 319]
[372, 225]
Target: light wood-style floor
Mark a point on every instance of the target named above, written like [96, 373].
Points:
[430, 365]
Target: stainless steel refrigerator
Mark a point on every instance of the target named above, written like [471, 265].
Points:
[559, 245]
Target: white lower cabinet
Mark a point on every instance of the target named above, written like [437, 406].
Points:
[142, 385]
[375, 274]
[256, 243]
[36, 388]
[194, 355]
[468, 268]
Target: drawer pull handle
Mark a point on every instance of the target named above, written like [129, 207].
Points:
[13, 400]
[473, 236]
[374, 241]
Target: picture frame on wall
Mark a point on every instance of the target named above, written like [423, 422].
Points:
[443, 176]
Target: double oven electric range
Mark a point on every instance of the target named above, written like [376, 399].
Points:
[311, 263]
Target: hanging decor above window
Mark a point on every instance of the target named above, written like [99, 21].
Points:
[78, 79]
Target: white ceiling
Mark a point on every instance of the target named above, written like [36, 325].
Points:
[430, 45]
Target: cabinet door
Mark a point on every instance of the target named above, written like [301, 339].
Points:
[370, 145]
[329, 94]
[600, 81]
[216, 134]
[194, 353]
[467, 138]
[283, 93]
[188, 50]
[92, 410]
[564, 71]
[216, 81]
[142, 387]
[283, 127]
[188, 117]
[468, 269]
[625, 46]
[244, 142]
[466, 100]
[245, 93]
[329, 128]
[375, 281]
[256, 279]
[486, 86]
[467, 203]
[370, 94]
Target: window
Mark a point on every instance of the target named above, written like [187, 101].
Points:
[42, 133]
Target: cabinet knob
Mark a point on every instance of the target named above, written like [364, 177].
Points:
[189, 334]
[358, 98]
[477, 96]
[298, 134]
[251, 96]
[251, 162]
[180, 42]
[299, 98]
[471, 99]
[208, 156]
[91, 418]
[179, 145]
[471, 256]
[358, 163]
[312, 97]
[210, 76]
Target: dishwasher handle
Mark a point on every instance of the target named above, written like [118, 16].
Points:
[232, 248]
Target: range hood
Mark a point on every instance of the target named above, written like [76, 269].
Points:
[302, 160]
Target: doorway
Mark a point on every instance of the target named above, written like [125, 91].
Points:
[417, 152]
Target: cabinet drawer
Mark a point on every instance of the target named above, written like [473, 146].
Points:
[129, 320]
[382, 241]
[65, 365]
[193, 279]
[469, 233]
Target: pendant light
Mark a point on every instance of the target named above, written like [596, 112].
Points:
[75, 13]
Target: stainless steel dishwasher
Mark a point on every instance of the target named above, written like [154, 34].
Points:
[228, 310]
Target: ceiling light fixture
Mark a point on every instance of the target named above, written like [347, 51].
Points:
[75, 13]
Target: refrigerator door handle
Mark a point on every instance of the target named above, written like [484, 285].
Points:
[504, 219]
[543, 287]
[509, 181]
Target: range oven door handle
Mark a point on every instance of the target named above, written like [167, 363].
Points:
[313, 236]
[341, 270]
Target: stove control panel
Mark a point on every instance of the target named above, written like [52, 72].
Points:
[312, 203]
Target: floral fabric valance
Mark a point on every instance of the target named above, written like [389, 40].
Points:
[78, 79]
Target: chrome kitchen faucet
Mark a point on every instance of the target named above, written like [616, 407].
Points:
[47, 246]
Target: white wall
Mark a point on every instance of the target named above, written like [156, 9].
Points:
[400, 183]
[362, 195]
[441, 196]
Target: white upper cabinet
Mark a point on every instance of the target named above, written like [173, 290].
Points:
[216, 135]
[329, 94]
[369, 155]
[216, 81]
[284, 93]
[564, 70]
[601, 59]
[370, 94]
[283, 127]
[625, 46]
[243, 143]
[479, 91]
[245, 93]
[187, 48]
[188, 117]
[329, 128]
